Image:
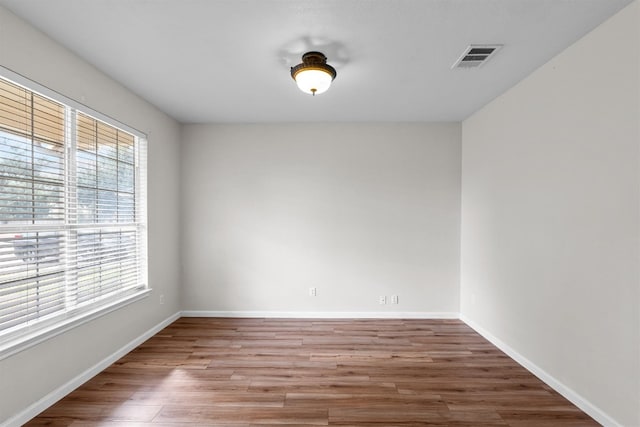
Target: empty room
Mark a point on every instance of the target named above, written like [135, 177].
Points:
[319, 212]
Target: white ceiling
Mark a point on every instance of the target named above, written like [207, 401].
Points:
[229, 60]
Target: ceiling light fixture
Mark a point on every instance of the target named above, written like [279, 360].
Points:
[314, 75]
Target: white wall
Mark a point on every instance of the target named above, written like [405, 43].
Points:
[550, 218]
[355, 210]
[31, 374]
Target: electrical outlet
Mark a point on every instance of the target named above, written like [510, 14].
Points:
[161, 298]
[382, 299]
[394, 299]
[312, 292]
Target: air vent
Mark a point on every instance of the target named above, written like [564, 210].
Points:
[475, 55]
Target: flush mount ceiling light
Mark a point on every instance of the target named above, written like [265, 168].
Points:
[314, 75]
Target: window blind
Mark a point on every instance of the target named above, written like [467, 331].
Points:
[72, 210]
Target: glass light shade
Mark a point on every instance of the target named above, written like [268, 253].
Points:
[313, 81]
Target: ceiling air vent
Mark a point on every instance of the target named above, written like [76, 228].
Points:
[475, 55]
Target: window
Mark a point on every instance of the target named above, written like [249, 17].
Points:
[72, 213]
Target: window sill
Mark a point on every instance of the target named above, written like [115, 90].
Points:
[39, 334]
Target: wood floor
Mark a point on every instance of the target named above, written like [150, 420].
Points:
[253, 372]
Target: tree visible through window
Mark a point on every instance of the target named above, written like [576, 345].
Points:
[72, 218]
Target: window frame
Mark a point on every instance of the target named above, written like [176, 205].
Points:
[13, 342]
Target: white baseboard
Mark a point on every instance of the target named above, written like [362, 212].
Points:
[324, 314]
[582, 403]
[51, 398]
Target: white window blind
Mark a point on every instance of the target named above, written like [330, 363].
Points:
[72, 211]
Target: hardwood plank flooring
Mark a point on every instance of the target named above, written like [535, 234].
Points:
[255, 372]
